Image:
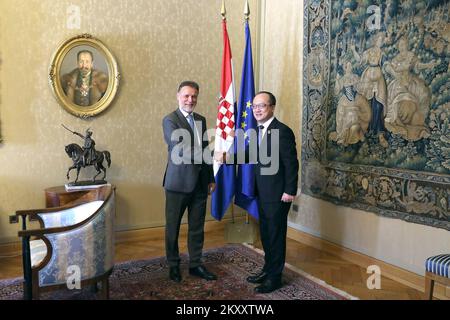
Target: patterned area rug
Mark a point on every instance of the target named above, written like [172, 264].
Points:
[148, 280]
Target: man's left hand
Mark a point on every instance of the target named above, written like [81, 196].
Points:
[211, 188]
[287, 198]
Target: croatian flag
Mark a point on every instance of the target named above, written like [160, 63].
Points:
[224, 174]
[245, 183]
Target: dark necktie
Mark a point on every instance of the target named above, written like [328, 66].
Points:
[260, 133]
[190, 119]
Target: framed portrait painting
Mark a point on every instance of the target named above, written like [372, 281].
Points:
[84, 76]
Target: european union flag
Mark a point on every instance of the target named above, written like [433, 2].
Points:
[245, 183]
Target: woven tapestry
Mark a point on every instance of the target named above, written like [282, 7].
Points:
[376, 109]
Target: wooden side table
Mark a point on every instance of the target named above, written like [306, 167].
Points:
[58, 196]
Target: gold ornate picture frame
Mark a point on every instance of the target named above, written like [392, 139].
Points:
[84, 76]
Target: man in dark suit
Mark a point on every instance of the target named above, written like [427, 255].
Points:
[276, 178]
[187, 181]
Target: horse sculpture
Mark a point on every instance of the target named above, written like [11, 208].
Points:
[75, 152]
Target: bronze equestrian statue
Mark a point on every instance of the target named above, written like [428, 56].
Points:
[87, 155]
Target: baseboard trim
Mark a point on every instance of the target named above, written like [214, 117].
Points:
[158, 232]
[390, 271]
[14, 248]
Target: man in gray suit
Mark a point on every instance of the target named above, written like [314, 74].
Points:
[187, 181]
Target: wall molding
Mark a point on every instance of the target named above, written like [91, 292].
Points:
[390, 271]
[158, 232]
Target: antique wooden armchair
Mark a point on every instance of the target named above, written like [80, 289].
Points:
[73, 247]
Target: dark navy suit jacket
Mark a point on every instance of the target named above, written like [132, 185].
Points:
[285, 179]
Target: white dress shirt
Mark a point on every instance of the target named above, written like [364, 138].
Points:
[266, 125]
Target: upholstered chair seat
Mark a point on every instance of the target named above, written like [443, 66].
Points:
[437, 269]
[439, 265]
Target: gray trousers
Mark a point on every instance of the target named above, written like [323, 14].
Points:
[176, 204]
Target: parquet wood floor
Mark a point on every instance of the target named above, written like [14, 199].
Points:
[329, 268]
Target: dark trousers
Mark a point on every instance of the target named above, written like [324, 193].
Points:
[176, 204]
[273, 229]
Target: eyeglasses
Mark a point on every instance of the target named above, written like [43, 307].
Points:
[259, 106]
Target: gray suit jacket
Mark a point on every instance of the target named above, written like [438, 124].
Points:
[185, 164]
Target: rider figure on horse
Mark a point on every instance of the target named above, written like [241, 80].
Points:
[88, 148]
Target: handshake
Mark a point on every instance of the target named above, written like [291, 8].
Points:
[221, 157]
[241, 157]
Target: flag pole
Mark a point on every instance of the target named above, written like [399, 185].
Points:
[247, 18]
[223, 11]
[246, 11]
[244, 183]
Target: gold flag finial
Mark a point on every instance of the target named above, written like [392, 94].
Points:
[247, 11]
[223, 11]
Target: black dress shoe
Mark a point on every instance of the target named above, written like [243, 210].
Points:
[201, 272]
[257, 278]
[174, 274]
[268, 285]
